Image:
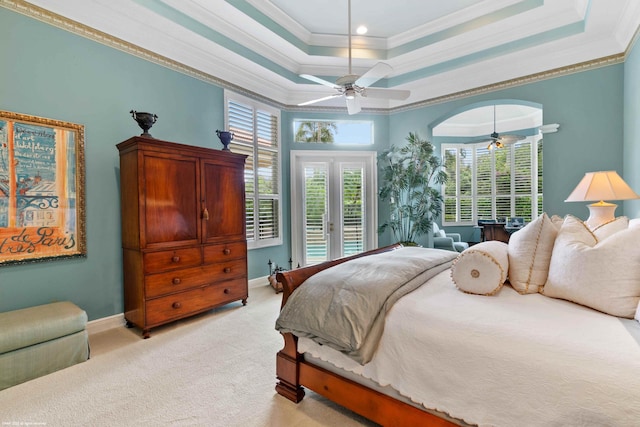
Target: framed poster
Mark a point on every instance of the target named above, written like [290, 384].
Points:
[42, 212]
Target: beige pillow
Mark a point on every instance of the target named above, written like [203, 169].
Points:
[609, 228]
[604, 275]
[530, 253]
[557, 220]
[482, 268]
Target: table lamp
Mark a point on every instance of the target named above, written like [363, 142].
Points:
[600, 186]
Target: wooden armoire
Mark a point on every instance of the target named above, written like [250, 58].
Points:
[183, 230]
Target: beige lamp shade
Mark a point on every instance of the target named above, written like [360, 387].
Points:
[600, 186]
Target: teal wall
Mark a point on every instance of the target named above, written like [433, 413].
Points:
[589, 108]
[632, 128]
[51, 73]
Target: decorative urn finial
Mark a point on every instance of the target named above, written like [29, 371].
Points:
[145, 121]
[225, 137]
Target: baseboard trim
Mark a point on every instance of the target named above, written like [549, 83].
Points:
[105, 323]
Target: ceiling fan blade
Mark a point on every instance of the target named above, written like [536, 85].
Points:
[353, 105]
[378, 71]
[372, 92]
[550, 128]
[320, 99]
[510, 139]
[319, 80]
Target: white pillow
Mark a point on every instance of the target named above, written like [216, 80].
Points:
[530, 253]
[482, 268]
[440, 233]
[604, 275]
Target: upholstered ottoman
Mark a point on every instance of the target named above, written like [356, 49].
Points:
[39, 340]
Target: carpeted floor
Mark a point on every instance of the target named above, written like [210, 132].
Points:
[216, 369]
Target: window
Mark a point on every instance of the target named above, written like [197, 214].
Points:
[256, 134]
[338, 132]
[492, 184]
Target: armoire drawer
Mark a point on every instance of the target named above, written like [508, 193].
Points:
[175, 306]
[178, 280]
[225, 251]
[172, 259]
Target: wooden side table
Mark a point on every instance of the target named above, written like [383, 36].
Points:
[495, 231]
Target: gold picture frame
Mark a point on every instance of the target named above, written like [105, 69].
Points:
[42, 189]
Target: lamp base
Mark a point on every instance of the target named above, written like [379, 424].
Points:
[600, 213]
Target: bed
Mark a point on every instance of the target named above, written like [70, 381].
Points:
[460, 350]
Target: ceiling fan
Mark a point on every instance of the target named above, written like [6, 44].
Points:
[353, 86]
[495, 139]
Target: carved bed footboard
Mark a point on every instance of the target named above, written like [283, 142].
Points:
[294, 372]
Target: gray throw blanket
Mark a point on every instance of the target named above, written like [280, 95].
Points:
[344, 306]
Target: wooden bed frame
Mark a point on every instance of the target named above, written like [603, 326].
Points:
[294, 372]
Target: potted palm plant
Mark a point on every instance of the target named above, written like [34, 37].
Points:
[411, 176]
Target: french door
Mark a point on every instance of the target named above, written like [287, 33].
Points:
[333, 204]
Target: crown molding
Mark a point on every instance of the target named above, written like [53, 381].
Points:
[532, 78]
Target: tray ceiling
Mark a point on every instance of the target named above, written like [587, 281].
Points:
[436, 49]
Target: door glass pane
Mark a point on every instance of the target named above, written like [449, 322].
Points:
[315, 214]
[352, 210]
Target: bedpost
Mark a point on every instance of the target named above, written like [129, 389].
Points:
[287, 359]
[288, 370]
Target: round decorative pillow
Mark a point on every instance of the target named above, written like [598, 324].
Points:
[482, 268]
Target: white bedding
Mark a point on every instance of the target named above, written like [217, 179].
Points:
[505, 360]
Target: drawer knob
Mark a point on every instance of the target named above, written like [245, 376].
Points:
[176, 304]
[226, 251]
[227, 290]
[176, 281]
[175, 258]
[227, 270]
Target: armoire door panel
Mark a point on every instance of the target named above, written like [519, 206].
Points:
[171, 201]
[228, 218]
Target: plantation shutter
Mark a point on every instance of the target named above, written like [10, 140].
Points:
[256, 136]
[465, 163]
[538, 163]
[484, 183]
[267, 152]
[493, 184]
[316, 205]
[502, 177]
[458, 190]
[450, 193]
[352, 209]
[523, 178]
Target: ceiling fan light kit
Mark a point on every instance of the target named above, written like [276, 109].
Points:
[353, 86]
[495, 139]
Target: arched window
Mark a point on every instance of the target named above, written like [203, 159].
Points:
[493, 156]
